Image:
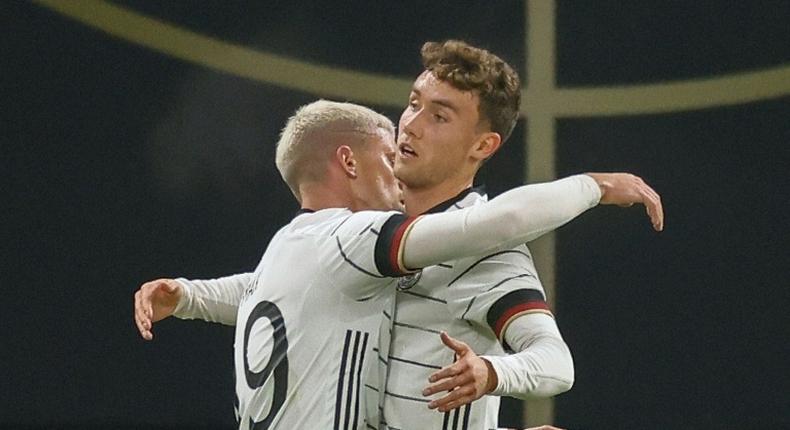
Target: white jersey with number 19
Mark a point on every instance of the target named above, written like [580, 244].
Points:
[308, 320]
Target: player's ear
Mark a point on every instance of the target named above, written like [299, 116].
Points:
[344, 155]
[486, 145]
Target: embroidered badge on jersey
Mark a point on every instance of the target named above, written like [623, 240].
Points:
[408, 281]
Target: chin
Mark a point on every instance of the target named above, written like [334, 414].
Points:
[406, 176]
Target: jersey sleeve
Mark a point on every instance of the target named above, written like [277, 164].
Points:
[363, 251]
[496, 289]
[212, 300]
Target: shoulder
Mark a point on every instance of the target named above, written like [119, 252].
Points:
[334, 221]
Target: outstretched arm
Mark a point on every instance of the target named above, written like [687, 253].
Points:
[213, 300]
[521, 215]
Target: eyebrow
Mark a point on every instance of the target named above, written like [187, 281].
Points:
[441, 102]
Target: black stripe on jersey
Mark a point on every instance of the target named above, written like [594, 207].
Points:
[353, 359]
[366, 228]
[381, 359]
[401, 396]
[386, 315]
[443, 206]
[446, 266]
[372, 387]
[365, 299]
[374, 231]
[509, 251]
[523, 275]
[340, 225]
[446, 421]
[417, 327]
[469, 306]
[389, 238]
[467, 412]
[511, 300]
[343, 254]
[350, 391]
[359, 377]
[412, 293]
[416, 363]
[341, 379]
[455, 418]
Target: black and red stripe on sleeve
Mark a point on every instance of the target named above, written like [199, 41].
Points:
[389, 246]
[512, 305]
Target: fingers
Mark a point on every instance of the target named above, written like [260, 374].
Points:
[659, 208]
[450, 371]
[143, 311]
[446, 383]
[454, 399]
[648, 197]
[652, 202]
[459, 347]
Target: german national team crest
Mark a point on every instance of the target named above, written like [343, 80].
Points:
[408, 281]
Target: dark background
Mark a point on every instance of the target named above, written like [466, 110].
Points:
[121, 165]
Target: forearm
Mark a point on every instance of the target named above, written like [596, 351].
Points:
[515, 217]
[543, 365]
[213, 300]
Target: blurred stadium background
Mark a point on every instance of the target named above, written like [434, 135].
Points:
[137, 142]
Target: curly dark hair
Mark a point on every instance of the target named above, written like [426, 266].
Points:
[474, 69]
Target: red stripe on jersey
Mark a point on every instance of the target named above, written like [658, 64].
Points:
[395, 245]
[501, 323]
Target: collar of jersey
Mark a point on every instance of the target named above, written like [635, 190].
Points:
[303, 211]
[441, 207]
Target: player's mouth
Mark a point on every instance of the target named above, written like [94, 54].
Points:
[406, 151]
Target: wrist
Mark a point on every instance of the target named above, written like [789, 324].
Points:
[493, 379]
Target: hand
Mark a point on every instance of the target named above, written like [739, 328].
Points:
[155, 301]
[624, 189]
[468, 379]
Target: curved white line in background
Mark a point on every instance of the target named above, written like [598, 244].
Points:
[343, 84]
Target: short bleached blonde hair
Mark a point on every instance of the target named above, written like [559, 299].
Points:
[310, 138]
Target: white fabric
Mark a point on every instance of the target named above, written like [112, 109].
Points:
[308, 263]
[515, 217]
[543, 365]
[512, 218]
[456, 297]
[215, 300]
[294, 302]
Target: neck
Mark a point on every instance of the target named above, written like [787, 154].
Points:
[316, 196]
[418, 201]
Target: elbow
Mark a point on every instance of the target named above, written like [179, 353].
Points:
[566, 372]
[565, 385]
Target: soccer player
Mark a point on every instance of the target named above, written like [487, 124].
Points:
[460, 110]
[492, 301]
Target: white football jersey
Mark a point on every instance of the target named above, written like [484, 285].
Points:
[308, 321]
[473, 299]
